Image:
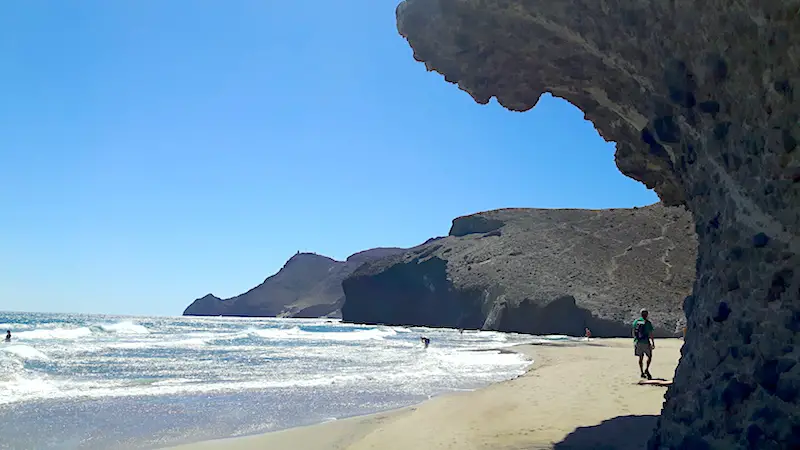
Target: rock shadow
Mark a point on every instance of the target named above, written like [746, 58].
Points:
[619, 433]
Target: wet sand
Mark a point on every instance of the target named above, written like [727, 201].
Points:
[583, 396]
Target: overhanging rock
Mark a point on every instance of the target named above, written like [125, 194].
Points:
[701, 98]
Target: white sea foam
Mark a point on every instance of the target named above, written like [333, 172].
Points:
[14, 326]
[103, 357]
[556, 337]
[21, 388]
[54, 333]
[254, 372]
[297, 333]
[124, 328]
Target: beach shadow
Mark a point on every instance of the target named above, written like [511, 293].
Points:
[619, 433]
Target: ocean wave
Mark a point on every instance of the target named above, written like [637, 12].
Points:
[22, 388]
[343, 336]
[190, 340]
[123, 328]
[191, 356]
[14, 326]
[557, 337]
[30, 386]
[81, 332]
[25, 352]
[54, 333]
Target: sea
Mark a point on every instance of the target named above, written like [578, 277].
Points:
[74, 381]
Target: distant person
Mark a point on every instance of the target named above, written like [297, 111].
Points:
[425, 341]
[460, 331]
[588, 334]
[643, 342]
[8, 335]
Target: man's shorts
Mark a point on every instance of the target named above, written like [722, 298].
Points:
[643, 348]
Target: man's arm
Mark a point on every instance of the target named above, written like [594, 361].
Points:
[652, 339]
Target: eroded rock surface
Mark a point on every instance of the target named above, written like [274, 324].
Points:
[307, 286]
[538, 271]
[703, 100]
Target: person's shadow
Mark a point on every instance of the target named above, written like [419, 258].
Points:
[619, 433]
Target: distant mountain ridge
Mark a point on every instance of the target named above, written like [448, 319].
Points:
[308, 285]
[537, 271]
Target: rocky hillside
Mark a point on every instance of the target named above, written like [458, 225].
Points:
[308, 285]
[540, 271]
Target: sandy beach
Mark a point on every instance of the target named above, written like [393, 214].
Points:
[583, 396]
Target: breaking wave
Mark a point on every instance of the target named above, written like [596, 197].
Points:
[91, 357]
[298, 333]
[54, 333]
[123, 328]
[127, 328]
[24, 352]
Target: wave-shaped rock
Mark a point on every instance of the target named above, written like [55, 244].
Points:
[539, 271]
[308, 285]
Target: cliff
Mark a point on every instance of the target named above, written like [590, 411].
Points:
[308, 285]
[538, 271]
[700, 98]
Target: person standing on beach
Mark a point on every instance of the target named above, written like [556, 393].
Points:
[643, 342]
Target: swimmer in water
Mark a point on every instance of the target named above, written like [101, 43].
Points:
[8, 335]
[425, 341]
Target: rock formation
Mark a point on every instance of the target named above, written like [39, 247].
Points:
[700, 98]
[308, 285]
[538, 271]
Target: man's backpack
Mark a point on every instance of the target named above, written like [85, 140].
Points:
[639, 331]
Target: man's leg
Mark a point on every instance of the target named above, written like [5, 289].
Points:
[641, 369]
[649, 354]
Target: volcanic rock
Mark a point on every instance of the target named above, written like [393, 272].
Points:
[308, 286]
[537, 271]
[700, 97]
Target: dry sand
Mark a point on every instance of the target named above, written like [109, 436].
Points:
[583, 396]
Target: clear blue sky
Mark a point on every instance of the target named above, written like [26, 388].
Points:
[154, 151]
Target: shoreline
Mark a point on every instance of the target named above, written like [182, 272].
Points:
[572, 395]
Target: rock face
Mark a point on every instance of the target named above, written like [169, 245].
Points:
[308, 285]
[538, 271]
[703, 101]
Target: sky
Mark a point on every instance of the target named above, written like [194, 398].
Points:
[152, 152]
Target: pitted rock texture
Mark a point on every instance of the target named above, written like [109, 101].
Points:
[308, 286]
[538, 271]
[703, 101]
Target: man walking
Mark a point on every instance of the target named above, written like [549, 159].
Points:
[643, 342]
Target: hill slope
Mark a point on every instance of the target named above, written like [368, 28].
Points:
[308, 285]
[540, 271]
